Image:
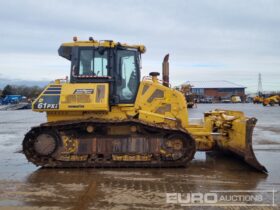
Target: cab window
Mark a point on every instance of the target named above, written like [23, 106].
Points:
[93, 63]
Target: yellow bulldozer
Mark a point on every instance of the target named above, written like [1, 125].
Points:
[107, 116]
[258, 100]
[271, 100]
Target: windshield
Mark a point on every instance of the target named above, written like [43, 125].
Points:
[92, 63]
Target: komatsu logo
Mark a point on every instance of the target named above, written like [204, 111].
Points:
[47, 106]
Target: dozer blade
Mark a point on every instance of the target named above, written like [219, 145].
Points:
[246, 151]
[237, 138]
[250, 157]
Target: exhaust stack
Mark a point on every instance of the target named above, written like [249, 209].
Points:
[165, 71]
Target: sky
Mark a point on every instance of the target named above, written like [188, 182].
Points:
[206, 39]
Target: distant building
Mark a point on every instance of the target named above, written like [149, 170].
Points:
[216, 91]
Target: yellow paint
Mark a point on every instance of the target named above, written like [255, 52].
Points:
[72, 97]
[109, 44]
[155, 104]
[257, 99]
[272, 100]
[230, 125]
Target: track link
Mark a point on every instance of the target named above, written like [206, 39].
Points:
[97, 143]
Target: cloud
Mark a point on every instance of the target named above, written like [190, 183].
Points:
[232, 40]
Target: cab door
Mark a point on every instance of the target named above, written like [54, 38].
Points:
[128, 75]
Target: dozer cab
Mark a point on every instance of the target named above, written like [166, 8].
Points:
[107, 116]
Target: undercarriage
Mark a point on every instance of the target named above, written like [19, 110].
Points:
[92, 143]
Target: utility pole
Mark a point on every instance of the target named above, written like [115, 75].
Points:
[260, 90]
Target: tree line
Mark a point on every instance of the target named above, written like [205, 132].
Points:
[30, 92]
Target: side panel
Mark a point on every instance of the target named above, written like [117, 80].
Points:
[73, 97]
[160, 104]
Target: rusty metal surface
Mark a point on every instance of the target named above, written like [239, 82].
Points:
[165, 71]
[100, 94]
[81, 149]
[45, 144]
[248, 154]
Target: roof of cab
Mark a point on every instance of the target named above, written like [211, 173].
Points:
[103, 43]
